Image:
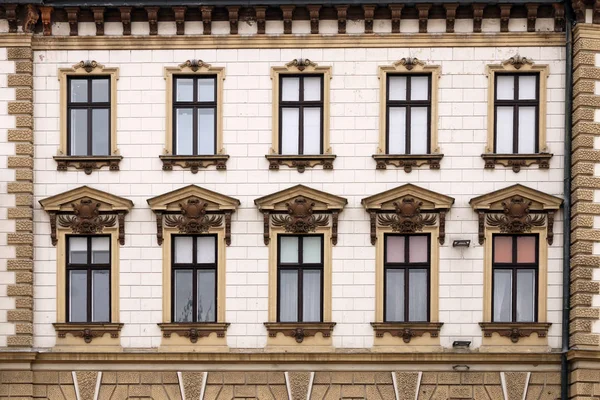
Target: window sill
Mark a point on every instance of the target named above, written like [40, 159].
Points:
[300, 162]
[87, 163]
[408, 161]
[299, 330]
[515, 330]
[193, 163]
[407, 330]
[517, 161]
[194, 330]
[87, 331]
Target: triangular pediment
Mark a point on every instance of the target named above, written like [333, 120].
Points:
[171, 201]
[64, 201]
[539, 200]
[323, 201]
[430, 200]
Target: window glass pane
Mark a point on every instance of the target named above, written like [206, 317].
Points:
[312, 88]
[206, 89]
[311, 250]
[312, 131]
[79, 90]
[525, 295]
[207, 308]
[288, 253]
[185, 89]
[417, 249]
[206, 131]
[417, 292]
[419, 88]
[397, 130]
[311, 297]
[101, 250]
[288, 296]
[394, 295]
[397, 88]
[503, 249]
[526, 249]
[183, 307]
[505, 87]
[183, 249]
[100, 296]
[527, 130]
[395, 249]
[77, 296]
[527, 87]
[77, 250]
[184, 131]
[418, 130]
[504, 130]
[502, 296]
[206, 250]
[79, 132]
[100, 90]
[290, 127]
[290, 89]
[100, 135]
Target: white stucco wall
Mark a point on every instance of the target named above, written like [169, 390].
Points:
[247, 138]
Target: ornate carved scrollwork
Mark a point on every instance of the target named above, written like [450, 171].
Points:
[517, 61]
[31, 18]
[408, 217]
[153, 19]
[87, 219]
[515, 331]
[396, 12]
[406, 331]
[299, 331]
[193, 218]
[410, 62]
[300, 218]
[194, 65]
[87, 332]
[301, 63]
[516, 217]
[99, 20]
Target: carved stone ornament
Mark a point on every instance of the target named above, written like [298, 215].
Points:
[31, 18]
[47, 19]
[517, 161]
[515, 331]
[299, 330]
[477, 16]
[194, 331]
[300, 162]
[407, 161]
[87, 219]
[87, 163]
[517, 61]
[88, 332]
[194, 65]
[516, 217]
[300, 218]
[10, 11]
[409, 63]
[406, 331]
[301, 64]
[396, 12]
[193, 218]
[408, 217]
[87, 65]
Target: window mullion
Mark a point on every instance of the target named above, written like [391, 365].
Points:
[194, 279]
[408, 131]
[301, 117]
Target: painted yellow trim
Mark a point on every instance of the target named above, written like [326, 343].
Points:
[183, 69]
[168, 240]
[543, 71]
[78, 70]
[397, 68]
[292, 68]
[413, 40]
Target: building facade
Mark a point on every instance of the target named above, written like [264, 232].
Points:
[303, 200]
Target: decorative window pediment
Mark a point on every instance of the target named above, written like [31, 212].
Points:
[516, 209]
[300, 209]
[407, 209]
[193, 210]
[86, 210]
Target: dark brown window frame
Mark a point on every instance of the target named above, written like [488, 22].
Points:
[514, 267]
[516, 104]
[89, 106]
[406, 266]
[300, 267]
[300, 105]
[194, 267]
[88, 267]
[407, 104]
[195, 105]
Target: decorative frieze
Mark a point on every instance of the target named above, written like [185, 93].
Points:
[193, 331]
[407, 330]
[88, 332]
[299, 330]
[515, 331]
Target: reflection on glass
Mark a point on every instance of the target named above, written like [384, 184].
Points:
[206, 89]
[206, 131]
[502, 296]
[183, 306]
[505, 87]
[312, 88]
[206, 296]
[100, 135]
[77, 250]
[527, 130]
[79, 132]
[312, 131]
[502, 249]
[183, 249]
[394, 295]
[395, 249]
[288, 252]
[100, 296]
[418, 249]
[397, 130]
[288, 297]
[290, 89]
[311, 297]
[525, 295]
[100, 250]
[419, 88]
[205, 250]
[527, 87]
[77, 296]
[100, 90]
[417, 291]
[185, 89]
[184, 122]
[397, 88]
[79, 90]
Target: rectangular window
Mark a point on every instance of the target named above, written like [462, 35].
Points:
[406, 278]
[514, 279]
[408, 114]
[516, 110]
[88, 116]
[300, 275]
[301, 114]
[88, 279]
[194, 278]
[195, 115]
